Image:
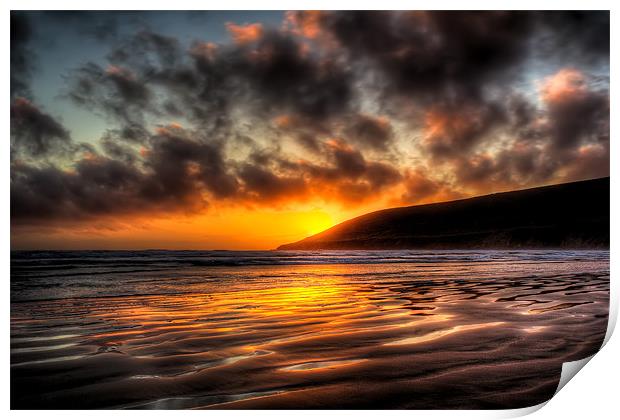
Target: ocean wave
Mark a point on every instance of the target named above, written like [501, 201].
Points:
[65, 274]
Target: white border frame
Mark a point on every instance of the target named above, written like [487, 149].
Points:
[591, 394]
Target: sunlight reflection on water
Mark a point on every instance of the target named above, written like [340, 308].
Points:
[277, 335]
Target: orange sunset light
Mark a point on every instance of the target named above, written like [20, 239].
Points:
[225, 229]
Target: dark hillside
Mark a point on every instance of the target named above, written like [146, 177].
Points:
[573, 215]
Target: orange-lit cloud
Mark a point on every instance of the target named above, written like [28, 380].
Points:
[206, 50]
[282, 121]
[113, 70]
[305, 23]
[34, 133]
[170, 129]
[565, 84]
[591, 161]
[245, 34]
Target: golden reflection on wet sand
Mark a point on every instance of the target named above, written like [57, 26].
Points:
[342, 336]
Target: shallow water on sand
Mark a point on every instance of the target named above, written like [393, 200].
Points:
[394, 329]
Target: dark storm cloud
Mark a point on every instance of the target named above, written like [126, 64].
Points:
[117, 150]
[44, 193]
[116, 92]
[179, 171]
[262, 184]
[268, 76]
[582, 118]
[287, 79]
[452, 53]
[419, 187]
[271, 72]
[21, 55]
[276, 75]
[150, 75]
[306, 132]
[434, 55]
[445, 65]
[147, 50]
[133, 133]
[175, 173]
[568, 136]
[97, 186]
[308, 141]
[581, 36]
[513, 167]
[370, 131]
[176, 158]
[451, 132]
[572, 127]
[35, 133]
[441, 60]
[347, 176]
[454, 63]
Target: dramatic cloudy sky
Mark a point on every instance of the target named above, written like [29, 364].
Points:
[251, 129]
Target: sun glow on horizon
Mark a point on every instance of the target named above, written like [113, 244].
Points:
[235, 229]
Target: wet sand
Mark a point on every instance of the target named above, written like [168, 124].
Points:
[440, 335]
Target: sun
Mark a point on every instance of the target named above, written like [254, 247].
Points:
[314, 222]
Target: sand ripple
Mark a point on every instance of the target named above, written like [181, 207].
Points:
[442, 334]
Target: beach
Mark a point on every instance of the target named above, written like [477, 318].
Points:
[301, 330]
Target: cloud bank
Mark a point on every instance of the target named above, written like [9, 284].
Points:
[349, 108]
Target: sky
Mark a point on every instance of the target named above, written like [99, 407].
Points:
[250, 129]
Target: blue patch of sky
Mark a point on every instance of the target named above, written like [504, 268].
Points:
[63, 43]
